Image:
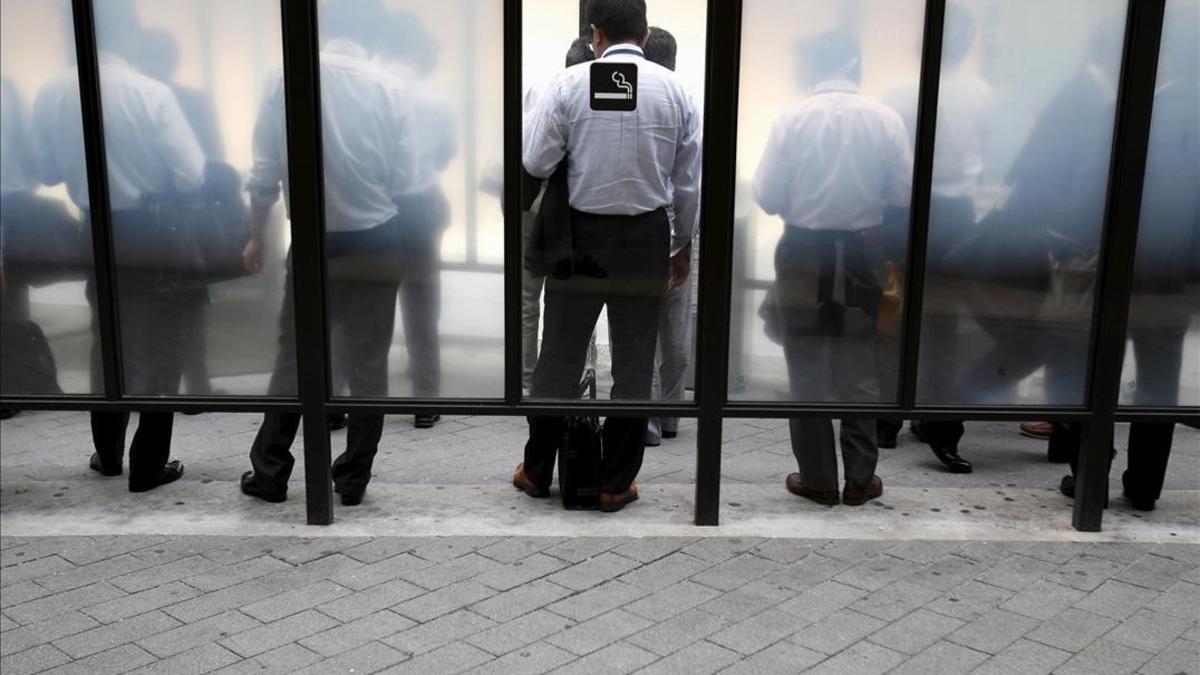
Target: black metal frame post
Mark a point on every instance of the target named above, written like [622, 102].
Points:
[1131, 140]
[716, 248]
[302, 87]
[104, 284]
[513, 255]
[918, 229]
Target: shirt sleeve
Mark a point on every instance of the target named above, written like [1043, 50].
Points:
[266, 172]
[401, 117]
[685, 179]
[180, 150]
[545, 135]
[898, 191]
[772, 178]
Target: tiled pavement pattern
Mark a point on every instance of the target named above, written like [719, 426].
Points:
[160, 604]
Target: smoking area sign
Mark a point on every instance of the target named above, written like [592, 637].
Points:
[614, 86]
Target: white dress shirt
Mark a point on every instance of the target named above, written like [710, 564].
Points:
[150, 147]
[621, 162]
[365, 118]
[16, 161]
[835, 162]
[965, 106]
[435, 142]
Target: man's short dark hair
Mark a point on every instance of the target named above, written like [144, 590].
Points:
[580, 52]
[833, 55]
[661, 47]
[364, 22]
[619, 20]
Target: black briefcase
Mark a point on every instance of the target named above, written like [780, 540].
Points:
[26, 363]
[579, 455]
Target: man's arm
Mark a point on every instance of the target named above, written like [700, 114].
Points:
[266, 174]
[685, 182]
[180, 150]
[900, 165]
[545, 135]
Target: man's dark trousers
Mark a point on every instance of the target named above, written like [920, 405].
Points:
[364, 274]
[622, 264]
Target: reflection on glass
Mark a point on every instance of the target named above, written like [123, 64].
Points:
[824, 181]
[179, 83]
[46, 323]
[1021, 164]
[1162, 365]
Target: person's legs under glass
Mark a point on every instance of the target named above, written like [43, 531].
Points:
[271, 455]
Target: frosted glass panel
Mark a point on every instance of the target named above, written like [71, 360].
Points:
[181, 83]
[1162, 361]
[1025, 122]
[824, 178]
[48, 341]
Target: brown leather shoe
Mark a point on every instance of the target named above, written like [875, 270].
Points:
[522, 483]
[857, 495]
[609, 502]
[795, 485]
[1038, 430]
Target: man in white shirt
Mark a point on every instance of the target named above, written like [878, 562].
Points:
[630, 164]
[368, 160]
[830, 169]
[150, 151]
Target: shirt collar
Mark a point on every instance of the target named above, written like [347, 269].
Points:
[623, 48]
[345, 47]
[838, 86]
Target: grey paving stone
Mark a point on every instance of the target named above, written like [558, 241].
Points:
[175, 549]
[66, 601]
[296, 600]
[196, 661]
[1180, 600]
[509, 605]
[516, 573]
[677, 632]
[520, 632]
[18, 593]
[86, 550]
[787, 551]
[1043, 599]
[581, 548]
[781, 658]
[317, 547]
[1016, 572]
[718, 549]
[530, 660]
[367, 658]
[444, 574]
[443, 549]
[217, 602]
[665, 571]
[737, 571]
[1118, 551]
[7, 623]
[808, 572]
[864, 658]
[596, 601]
[106, 637]
[1057, 552]
[945, 573]
[1149, 630]
[593, 571]
[1103, 657]
[33, 660]
[1181, 656]
[876, 573]
[441, 631]
[599, 632]
[159, 575]
[942, 658]
[923, 552]
[116, 660]
[39, 568]
[69, 623]
[894, 601]
[993, 631]
[321, 569]
[855, 551]
[447, 660]
[649, 549]
[672, 600]
[1117, 599]
[278, 633]
[361, 603]
[821, 600]
[211, 629]
[279, 661]
[232, 575]
[140, 603]
[1024, 656]
[1086, 572]
[743, 603]
[356, 633]
[916, 632]
[1072, 630]
[837, 631]
[699, 658]
[969, 601]
[382, 548]
[1154, 571]
[757, 632]
[84, 575]
[512, 549]
[618, 658]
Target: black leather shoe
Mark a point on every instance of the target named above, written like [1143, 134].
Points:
[1137, 504]
[352, 500]
[951, 459]
[251, 487]
[667, 435]
[95, 465]
[426, 421]
[336, 422]
[886, 440]
[170, 473]
[1067, 486]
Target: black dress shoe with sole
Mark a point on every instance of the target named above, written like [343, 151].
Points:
[170, 473]
[669, 434]
[251, 488]
[950, 458]
[95, 465]
[426, 421]
[352, 499]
